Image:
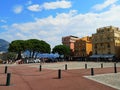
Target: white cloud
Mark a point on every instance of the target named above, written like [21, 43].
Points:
[35, 7]
[107, 3]
[50, 5]
[51, 29]
[57, 4]
[18, 9]
[3, 21]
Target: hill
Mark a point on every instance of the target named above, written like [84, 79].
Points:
[3, 45]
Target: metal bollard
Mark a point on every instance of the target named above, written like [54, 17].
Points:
[65, 66]
[92, 71]
[59, 74]
[115, 68]
[8, 79]
[40, 68]
[101, 65]
[85, 66]
[6, 69]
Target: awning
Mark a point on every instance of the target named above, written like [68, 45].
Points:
[95, 56]
[108, 56]
[102, 56]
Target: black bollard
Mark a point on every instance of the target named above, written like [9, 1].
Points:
[6, 69]
[59, 74]
[85, 66]
[115, 68]
[8, 79]
[101, 65]
[65, 66]
[92, 71]
[40, 68]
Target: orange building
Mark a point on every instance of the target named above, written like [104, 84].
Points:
[69, 41]
[83, 47]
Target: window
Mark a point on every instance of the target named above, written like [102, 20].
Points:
[95, 46]
[109, 52]
[108, 45]
[96, 52]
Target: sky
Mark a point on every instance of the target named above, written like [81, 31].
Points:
[50, 20]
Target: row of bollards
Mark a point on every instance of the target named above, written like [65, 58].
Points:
[92, 70]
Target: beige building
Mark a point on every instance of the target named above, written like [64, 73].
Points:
[83, 47]
[69, 41]
[106, 42]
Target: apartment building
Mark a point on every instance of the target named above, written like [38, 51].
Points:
[69, 41]
[83, 47]
[106, 42]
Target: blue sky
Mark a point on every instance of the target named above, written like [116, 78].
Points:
[50, 20]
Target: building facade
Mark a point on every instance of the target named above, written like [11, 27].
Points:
[83, 47]
[106, 42]
[69, 41]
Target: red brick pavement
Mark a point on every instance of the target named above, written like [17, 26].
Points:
[28, 78]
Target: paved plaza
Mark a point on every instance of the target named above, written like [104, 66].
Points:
[76, 77]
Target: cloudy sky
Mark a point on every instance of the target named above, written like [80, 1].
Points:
[50, 20]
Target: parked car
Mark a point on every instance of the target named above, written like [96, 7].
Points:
[30, 61]
[37, 61]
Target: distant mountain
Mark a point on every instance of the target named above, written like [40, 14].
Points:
[3, 45]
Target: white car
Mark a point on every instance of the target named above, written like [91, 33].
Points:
[37, 60]
[30, 61]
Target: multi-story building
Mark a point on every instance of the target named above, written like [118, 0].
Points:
[106, 42]
[69, 41]
[83, 47]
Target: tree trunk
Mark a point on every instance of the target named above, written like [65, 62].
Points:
[30, 55]
[36, 55]
[33, 54]
[19, 55]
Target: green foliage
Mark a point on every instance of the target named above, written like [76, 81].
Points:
[8, 56]
[62, 50]
[17, 46]
[35, 46]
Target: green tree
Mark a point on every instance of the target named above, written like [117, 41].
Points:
[17, 46]
[62, 50]
[35, 46]
[9, 56]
